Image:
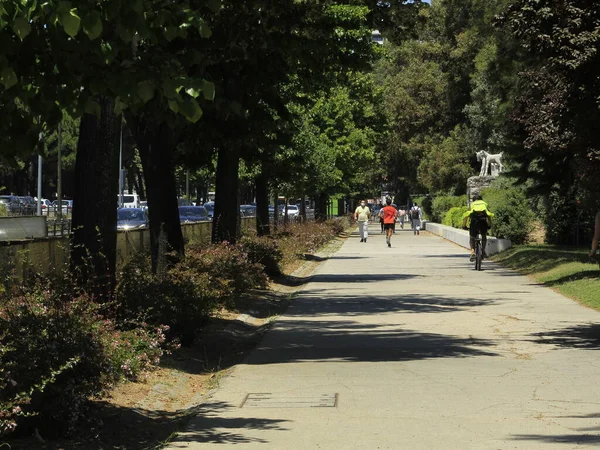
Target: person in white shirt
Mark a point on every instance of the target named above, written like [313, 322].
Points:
[362, 216]
[415, 217]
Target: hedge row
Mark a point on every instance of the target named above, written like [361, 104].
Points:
[513, 216]
[59, 348]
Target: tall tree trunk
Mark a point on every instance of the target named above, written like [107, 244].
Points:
[303, 207]
[140, 183]
[275, 210]
[157, 149]
[321, 207]
[262, 204]
[94, 241]
[227, 208]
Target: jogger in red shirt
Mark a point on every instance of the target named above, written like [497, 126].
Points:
[389, 214]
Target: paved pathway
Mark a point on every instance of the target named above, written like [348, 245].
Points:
[415, 350]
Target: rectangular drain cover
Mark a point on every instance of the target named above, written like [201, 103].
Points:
[268, 400]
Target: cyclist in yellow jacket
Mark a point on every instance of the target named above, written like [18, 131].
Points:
[478, 219]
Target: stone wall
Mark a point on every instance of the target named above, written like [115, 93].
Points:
[461, 237]
[47, 254]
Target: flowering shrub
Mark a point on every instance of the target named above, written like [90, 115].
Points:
[338, 224]
[57, 352]
[228, 262]
[186, 295]
[263, 250]
[181, 299]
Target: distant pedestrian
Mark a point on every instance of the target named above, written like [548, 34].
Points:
[596, 238]
[415, 216]
[362, 214]
[388, 214]
[402, 216]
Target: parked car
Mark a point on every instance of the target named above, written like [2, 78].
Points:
[131, 218]
[144, 204]
[46, 206]
[248, 210]
[67, 206]
[292, 211]
[210, 208]
[192, 214]
[10, 202]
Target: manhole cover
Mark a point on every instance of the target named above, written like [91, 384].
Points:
[268, 400]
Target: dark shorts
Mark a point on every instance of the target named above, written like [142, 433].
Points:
[389, 226]
[478, 227]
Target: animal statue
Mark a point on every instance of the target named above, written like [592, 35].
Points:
[489, 162]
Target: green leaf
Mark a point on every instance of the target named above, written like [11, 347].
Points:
[70, 22]
[92, 107]
[171, 33]
[120, 106]
[170, 87]
[92, 25]
[192, 92]
[173, 106]
[208, 89]
[214, 5]
[21, 27]
[145, 90]
[96, 86]
[8, 77]
[191, 109]
[137, 6]
[205, 31]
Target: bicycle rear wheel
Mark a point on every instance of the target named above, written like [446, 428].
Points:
[478, 255]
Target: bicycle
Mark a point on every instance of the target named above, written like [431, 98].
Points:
[478, 252]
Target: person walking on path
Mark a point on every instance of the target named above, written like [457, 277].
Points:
[596, 238]
[362, 216]
[415, 216]
[402, 216]
[388, 213]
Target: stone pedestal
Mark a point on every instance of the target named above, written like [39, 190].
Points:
[476, 184]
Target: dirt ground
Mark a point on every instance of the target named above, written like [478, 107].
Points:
[144, 415]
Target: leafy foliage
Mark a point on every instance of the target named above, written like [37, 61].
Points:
[57, 350]
[513, 215]
[454, 216]
[442, 204]
[557, 104]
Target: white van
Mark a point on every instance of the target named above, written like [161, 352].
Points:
[129, 200]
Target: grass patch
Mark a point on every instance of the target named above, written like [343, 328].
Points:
[565, 269]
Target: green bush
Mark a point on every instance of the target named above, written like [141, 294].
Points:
[513, 216]
[184, 298]
[442, 204]
[57, 352]
[338, 224]
[454, 217]
[263, 250]
[227, 262]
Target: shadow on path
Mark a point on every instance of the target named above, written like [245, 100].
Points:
[309, 304]
[574, 439]
[344, 278]
[322, 340]
[584, 336]
[210, 427]
[143, 430]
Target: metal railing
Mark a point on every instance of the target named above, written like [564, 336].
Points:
[59, 227]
